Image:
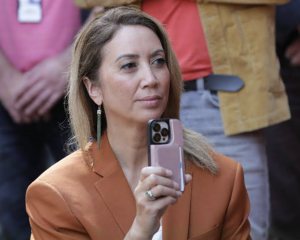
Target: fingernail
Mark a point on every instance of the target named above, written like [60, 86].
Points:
[178, 193]
[188, 177]
[169, 172]
[176, 185]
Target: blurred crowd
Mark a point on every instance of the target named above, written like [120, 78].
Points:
[240, 64]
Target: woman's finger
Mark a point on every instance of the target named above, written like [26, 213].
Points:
[153, 180]
[187, 178]
[155, 170]
[162, 191]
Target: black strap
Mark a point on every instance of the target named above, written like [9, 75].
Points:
[190, 85]
[217, 82]
[226, 83]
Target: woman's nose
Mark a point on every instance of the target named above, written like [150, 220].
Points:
[148, 78]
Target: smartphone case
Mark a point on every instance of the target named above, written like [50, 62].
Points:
[169, 155]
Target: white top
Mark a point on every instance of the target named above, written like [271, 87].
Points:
[158, 235]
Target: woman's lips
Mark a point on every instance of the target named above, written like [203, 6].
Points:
[150, 100]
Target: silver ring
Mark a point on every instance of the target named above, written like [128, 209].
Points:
[149, 194]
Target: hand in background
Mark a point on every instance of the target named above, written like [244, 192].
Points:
[12, 81]
[293, 51]
[45, 85]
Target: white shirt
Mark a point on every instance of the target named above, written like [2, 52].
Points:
[158, 235]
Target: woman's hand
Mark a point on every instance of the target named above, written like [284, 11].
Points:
[149, 212]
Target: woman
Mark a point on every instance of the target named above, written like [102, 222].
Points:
[123, 74]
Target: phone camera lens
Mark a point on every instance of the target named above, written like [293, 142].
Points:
[156, 127]
[157, 137]
[164, 132]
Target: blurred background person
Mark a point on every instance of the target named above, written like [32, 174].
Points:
[235, 40]
[283, 140]
[35, 36]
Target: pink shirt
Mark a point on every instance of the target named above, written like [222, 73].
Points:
[182, 21]
[26, 44]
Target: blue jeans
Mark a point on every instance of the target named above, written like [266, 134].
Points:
[200, 112]
[22, 160]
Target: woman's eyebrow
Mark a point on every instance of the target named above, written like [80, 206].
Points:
[127, 56]
[156, 52]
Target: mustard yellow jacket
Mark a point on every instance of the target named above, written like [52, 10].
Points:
[241, 41]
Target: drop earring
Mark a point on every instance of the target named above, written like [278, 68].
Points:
[99, 126]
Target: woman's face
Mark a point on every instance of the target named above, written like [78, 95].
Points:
[134, 76]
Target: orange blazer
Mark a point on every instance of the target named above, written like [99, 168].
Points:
[72, 200]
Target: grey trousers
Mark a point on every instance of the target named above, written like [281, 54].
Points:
[200, 112]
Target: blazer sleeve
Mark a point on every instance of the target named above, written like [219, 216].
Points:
[49, 215]
[236, 225]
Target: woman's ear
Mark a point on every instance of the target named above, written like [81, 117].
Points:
[94, 91]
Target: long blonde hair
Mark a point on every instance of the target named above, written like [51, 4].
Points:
[86, 62]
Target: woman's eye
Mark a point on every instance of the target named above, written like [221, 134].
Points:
[160, 61]
[128, 65]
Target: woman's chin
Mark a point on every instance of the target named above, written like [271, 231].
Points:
[145, 118]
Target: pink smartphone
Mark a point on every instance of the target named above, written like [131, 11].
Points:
[165, 147]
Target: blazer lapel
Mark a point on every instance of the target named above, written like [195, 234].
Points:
[113, 187]
[116, 193]
[175, 222]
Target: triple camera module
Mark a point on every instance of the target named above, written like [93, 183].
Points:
[160, 132]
